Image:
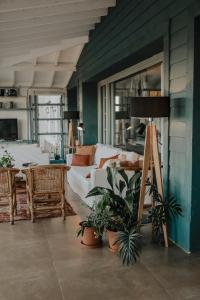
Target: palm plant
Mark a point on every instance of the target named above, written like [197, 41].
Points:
[161, 212]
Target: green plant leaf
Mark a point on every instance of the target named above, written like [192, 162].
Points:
[174, 208]
[134, 180]
[130, 246]
[124, 176]
[121, 186]
[98, 190]
[110, 176]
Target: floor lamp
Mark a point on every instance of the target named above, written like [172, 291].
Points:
[150, 107]
[71, 116]
[122, 115]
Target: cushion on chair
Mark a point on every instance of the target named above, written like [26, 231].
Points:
[87, 150]
[80, 160]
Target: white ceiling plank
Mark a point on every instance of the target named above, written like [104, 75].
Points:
[41, 40]
[20, 37]
[50, 20]
[56, 61]
[13, 5]
[68, 43]
[14, 33]
[14, 78]
[50, 37]
[44, 67]
[67, 9]
[33, 73]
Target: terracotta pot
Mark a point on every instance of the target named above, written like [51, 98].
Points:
[112, 236]
[89, 238]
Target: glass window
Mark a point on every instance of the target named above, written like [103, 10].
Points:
[48, 123]
[130, 131]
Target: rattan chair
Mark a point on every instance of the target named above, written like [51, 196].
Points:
[8, 190]
[44, 183]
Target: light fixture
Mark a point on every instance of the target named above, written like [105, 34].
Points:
[149, 107]
[71, 115]
[121, 115]
[80, 127]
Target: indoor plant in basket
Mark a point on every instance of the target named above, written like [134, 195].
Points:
[119, 206]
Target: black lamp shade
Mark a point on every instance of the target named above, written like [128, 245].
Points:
[71, 115]
[149, 107]
[121, 115]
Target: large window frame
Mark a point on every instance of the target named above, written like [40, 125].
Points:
[108, 85]
[35, 119]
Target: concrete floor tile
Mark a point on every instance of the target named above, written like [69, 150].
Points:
[39, 288]
[45, 260]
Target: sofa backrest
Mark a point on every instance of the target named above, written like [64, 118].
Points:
[103, 151]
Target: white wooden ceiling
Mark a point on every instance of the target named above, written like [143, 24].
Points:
[41, 40]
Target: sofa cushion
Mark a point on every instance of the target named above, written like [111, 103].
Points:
[87, 150]
[103, 160]
[80, 160]
[104, 151]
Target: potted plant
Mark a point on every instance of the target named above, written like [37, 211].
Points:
[119, 205]
[6, 160]
[92, 229]
[161, 213]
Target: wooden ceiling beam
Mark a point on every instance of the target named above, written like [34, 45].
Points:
[66, 9]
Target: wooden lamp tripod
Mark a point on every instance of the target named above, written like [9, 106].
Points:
[156, 107]
[71, 116]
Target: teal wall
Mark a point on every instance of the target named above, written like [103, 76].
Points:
[195, 212]
[89, 113]
[133, 31]
[72, 104]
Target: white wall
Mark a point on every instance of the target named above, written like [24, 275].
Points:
[19, 102]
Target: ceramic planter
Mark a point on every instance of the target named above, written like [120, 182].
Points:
[89, 238]
[112, 236]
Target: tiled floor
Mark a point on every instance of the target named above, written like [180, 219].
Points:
[45, 261]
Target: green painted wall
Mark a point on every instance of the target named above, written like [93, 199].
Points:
[89, 113]
[72, 99]
[195, 215]
[132, 31]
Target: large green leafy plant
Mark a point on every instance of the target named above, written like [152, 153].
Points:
[118, 207]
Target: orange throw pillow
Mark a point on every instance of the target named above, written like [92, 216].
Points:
[87, 150]
[104, 159]
[80, 160]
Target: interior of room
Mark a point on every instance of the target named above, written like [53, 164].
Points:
[99, 149]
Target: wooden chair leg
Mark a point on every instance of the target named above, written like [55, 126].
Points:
[63, 206]
[11, 210]
[28, 211]
[32, 209]
[15, 204]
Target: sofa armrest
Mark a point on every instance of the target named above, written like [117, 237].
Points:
[69, 159]
[99, 177]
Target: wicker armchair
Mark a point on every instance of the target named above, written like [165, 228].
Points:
[46, 189]
[8, 190]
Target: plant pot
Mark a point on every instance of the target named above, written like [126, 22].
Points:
[89, 238]
[112, 236]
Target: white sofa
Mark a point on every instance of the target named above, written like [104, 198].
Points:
[77, 175]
